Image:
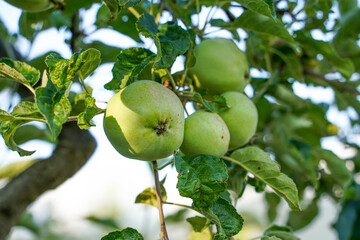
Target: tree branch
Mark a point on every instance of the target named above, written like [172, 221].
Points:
[333, 83]
[74, 148]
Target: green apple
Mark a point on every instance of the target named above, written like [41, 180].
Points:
[145, 121]
[31, 5]
[241, 118]
[205, 133]
[220, 66]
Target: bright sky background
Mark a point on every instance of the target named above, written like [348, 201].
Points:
[108, 184]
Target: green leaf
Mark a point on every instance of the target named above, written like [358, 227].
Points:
[299, 220]
[339, 172]
[348, 219]
[8, 128]
[63, 71]
[54, 106]
[225, 216]
[282, 232]
[236, 181]
[28, 132]
[91, 60]
[114, 8]
[126, 234]
[197, 223]
[108, 53]
[252, 21]
[19, 71]
[11, 170]
[128, 65]
[31, 23]
[256, 183]
[106, 222]
[259, 6]
[173, 41]
[272, 202]
[146, 25]
[201, 178]
[124, 23]
[148, 196]
[4, 116]
[259, 163]
[344, 66]
[270, 238]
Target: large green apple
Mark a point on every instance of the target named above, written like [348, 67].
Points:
[205, 133]
[220, 66]
[241, 118]
[145, 121]
[31, 5]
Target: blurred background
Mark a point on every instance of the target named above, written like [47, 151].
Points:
[101, 196]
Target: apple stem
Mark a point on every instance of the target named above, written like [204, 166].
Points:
[160, 202]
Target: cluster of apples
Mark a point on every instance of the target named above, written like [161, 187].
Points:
[146, 120]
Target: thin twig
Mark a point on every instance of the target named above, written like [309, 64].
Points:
[159, 201]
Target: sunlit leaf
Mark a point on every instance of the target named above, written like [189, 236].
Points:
[259, 163]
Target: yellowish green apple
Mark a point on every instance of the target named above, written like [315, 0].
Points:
[241, 118]
[205, 133]
[220, 66]
[145, 121]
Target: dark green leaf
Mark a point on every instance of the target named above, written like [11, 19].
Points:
[256, 183]
[146, 25]
[348, 220]
[197, 223]
[54, 106]
[201, 178]
[126, 234]
[226, 218]
[252, 21]
[173, 41]
[128, 65]
[259, 163]
[236, 181]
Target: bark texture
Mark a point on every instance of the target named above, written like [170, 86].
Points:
[74, 148]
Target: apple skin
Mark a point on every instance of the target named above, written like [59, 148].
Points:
[145, 121]
[205, 133]
[31, 5]
[241, 118]
[220, 66]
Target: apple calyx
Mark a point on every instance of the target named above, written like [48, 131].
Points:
[161, 128]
